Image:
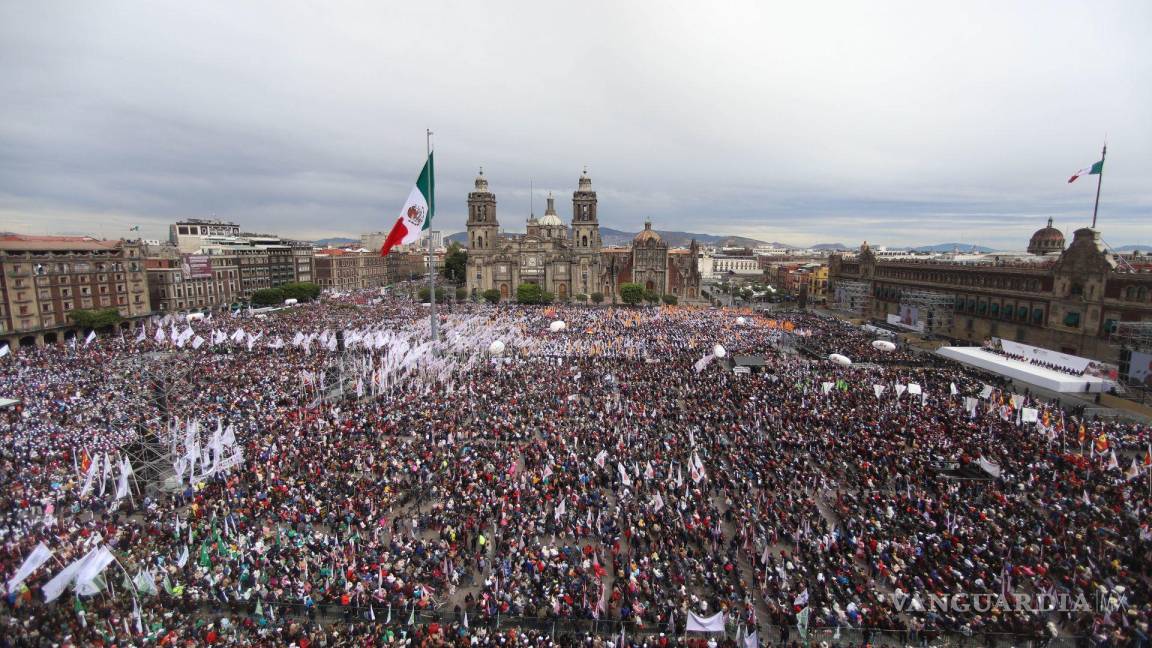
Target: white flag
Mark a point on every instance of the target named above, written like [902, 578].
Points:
[657, 503]
[55, 587]
[39, 556]
[91, 569]
[714, 623]
[91, 336]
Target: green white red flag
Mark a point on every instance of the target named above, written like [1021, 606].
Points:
[1095, 169]
[416, 216]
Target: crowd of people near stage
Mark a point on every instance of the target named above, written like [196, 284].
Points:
[825, 335]
[593, 477]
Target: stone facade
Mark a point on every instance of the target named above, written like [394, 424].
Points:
[44, 278]
[1068, 302]
[568, 260]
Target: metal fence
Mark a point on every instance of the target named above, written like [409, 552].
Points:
[562, 628]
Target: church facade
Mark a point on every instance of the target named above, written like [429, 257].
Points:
[568, 260]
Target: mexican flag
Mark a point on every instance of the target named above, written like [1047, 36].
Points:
[1095, 169]
[417, 213]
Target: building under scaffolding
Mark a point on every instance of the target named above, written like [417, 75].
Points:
[852, 297]
[934, 309]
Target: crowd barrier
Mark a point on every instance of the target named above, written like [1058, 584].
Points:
[768, 634]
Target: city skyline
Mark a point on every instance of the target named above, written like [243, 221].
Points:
[903, 125]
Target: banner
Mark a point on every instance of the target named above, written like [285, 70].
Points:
[39, 556]
[714, 623]
[196, 266]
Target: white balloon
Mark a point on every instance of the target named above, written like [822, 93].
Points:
[843, 361]
[558, 325]
[496, 348]
[883, 345]
[741, 321]
[719, 351]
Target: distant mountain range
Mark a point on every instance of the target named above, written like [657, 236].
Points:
[335, 242]
[620, 238]
[948, 247]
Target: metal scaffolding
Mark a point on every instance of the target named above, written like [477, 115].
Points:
[163, 380]
[1136, 336]
[935, 309]
[854, 297]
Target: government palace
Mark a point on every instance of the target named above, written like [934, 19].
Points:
[1082, 299]
[569, 260]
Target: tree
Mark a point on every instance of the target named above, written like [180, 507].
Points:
[301, 291]
[671, 300]
[268, 297]
[492, 296]
[425, 294]
[651, 297]
[582, 298]
[631, 293]
[530, 293]
[597, 298]
[461, 293]
[455, 263]
[96, 319]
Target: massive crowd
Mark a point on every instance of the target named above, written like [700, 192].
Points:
[598, 476]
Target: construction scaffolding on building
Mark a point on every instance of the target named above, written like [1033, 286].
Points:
[934, 309]
[852, 297]
[1135, 336]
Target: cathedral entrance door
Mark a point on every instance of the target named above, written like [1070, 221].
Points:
[562, 291]
[503, 292]
[650, 286]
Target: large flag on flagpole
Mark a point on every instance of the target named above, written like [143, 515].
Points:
[1096, 169]
[416, 216]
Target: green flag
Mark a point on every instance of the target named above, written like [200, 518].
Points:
[802, 622]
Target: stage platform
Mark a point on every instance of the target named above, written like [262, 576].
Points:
[1024, 372]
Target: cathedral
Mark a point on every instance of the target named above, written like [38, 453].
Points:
[568, 260]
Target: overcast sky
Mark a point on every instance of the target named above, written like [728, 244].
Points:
[895, 122]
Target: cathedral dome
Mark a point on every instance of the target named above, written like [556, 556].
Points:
[550, 218]
[1046, 241]
[647, 235]
[481, 182]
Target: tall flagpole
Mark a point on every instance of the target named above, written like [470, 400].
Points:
[1099, 181]
[431, 253]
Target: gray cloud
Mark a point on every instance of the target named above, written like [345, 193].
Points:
[898, 122]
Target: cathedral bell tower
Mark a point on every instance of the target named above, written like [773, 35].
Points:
[585, 236]
[482, 229]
